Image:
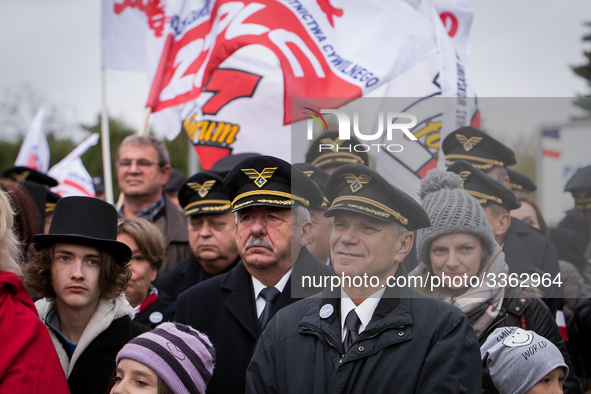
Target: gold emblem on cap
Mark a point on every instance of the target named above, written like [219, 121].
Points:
[356, 183]
[309, 173]
[335, 143]
[468, 143]
[22, 176]
[202, 190]
[464, 175]
[259, 178]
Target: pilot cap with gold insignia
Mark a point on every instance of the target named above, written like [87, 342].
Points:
[484, 188]
[319, 176]
[520, 182]
[478, 148]
[204, 193]
[579, 185]
[357, 188]
[270, 181]
[328, 150]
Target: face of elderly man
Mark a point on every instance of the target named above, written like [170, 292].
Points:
[360, 244]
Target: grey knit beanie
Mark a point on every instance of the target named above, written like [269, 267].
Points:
[518, 359]
[180, 355]
[451, 210]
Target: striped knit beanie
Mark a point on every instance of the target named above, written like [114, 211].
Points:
[180, 355]
[451, 210]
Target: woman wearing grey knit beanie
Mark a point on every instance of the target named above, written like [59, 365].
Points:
[458, 245]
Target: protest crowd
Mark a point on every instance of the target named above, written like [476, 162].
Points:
[211, 295]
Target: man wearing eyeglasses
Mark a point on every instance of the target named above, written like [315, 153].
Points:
[143, 168]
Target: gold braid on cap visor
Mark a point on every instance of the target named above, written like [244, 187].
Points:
[379, 205]
[486, 197]
[487, 163]
[290, 196]
[190, 208]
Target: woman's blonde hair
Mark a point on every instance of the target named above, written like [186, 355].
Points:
[10, 253]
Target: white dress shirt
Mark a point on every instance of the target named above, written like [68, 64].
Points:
[257, 286]
[364, 310]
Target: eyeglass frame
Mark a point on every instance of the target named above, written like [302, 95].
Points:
[146, 163]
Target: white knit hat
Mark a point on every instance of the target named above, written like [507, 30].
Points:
[451, 210]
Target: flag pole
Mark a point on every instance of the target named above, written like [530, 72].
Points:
[144, 127]
[106, 142]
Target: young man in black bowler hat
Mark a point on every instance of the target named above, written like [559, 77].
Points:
[211, 231]
[81, 270]
[368, 337]
[271, 201]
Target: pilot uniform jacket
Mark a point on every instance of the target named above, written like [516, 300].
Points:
[185, 274]
[575, 222]
[223, 308]
[161, 310]
[413, 344]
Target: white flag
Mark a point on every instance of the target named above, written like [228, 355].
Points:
[132, 33]
[230, 68]
[34, 152]
[72, 176]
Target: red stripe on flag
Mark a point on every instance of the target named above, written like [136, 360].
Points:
[77, 186]
[551, 153]
[429, 166]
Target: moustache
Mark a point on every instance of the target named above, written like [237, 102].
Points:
[257, 241]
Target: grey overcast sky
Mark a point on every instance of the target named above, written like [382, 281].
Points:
[518, 49]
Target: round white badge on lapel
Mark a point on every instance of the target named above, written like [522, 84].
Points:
[156, 317]
[326, 311]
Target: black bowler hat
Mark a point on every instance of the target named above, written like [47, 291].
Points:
[520, 182]
[21, 174]
[579, 185]
[270, 181]
[204, 193]
[357, 188]
[484, 188]
[85, 221]
[319, 176]
[322, 155]
[478, 148]
[223, 166]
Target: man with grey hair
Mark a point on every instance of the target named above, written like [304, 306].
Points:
[374, 335]
[271, 200]
[143, 168]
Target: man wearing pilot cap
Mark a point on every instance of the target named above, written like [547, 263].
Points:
[378, 335]
[271, 200]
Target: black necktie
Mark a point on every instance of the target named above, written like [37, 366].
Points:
[352, 324]
[269, 294]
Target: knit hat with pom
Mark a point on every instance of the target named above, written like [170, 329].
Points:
[451, 210]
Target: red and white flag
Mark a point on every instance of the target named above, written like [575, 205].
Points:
[34, 152]
[132, 33]
[230, 68]
[72, 176]
[437, 91]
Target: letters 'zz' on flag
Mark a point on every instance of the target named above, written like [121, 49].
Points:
[73, 178]
[443, 97]
[34, 152]
[132, 33]
[230, 68]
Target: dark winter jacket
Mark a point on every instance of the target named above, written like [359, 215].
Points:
[223, 308]
[161, 310]
[413, 344]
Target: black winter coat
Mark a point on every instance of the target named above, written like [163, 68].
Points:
[223, 308]
[162, 310]
[413, 344]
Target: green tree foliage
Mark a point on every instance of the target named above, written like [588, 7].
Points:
[584, 71]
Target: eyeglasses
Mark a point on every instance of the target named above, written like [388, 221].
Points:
[139, 162]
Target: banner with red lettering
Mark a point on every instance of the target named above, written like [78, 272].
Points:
[443, 99]
[229, 68]
[132, 33]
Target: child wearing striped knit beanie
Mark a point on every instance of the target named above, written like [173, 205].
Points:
[173, 358]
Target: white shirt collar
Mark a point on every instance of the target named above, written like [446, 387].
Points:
[364, 310]
[257, 286]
